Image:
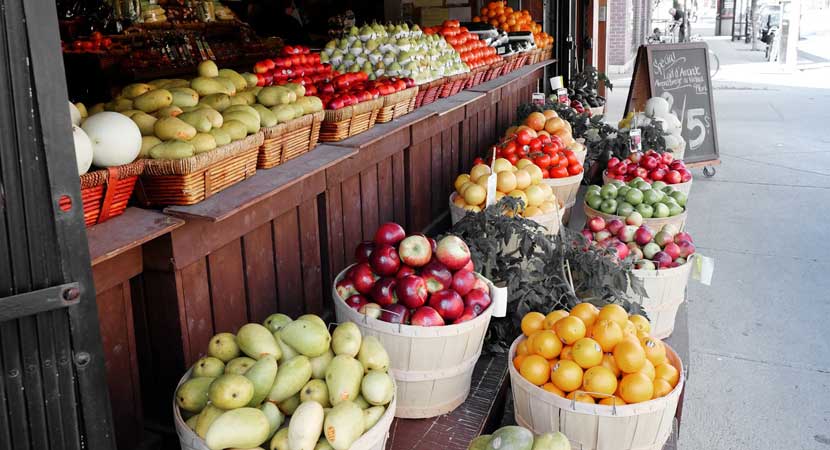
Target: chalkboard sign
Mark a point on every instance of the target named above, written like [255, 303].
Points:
[680, 74]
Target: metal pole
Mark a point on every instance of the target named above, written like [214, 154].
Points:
[734, 18]
[792, 37]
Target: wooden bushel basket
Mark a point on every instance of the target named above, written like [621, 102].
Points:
[665, 292]
[565, 189]
[373, 439]
[432, 366]
[685, 188]
[550, 221]
[655, 224]
[289, 140]
[105, 192]
[349, 121]
[640, 426]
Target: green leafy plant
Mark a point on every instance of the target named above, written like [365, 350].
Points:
[541, 272]
[584, 86]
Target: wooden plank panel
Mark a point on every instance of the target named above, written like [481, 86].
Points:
[419, 169]
[386, 194]
[118, 269]
[314, 289]
[287, 250]
[399, 189]
[227, 287]
[352, 215]
[127, 231]
[369, 201]
[260, 274]
[436, 179]
[197, 311]
[334, 226]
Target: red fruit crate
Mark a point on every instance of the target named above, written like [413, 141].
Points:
[105, 192]
[428, 92]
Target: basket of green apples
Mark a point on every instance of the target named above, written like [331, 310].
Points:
[652, 204]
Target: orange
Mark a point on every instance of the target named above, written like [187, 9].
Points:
[549, 114]
[648, 370]
[599, 380]
[615, 313]
[554, 124]
[667, 372]
[552, 363]
[607, 333]
[636, 387]
[566, 353]
[494, 22]
[529, 341]
[661, 388]
[655, 350]
[546, 344]
[521, 349]
[587, 353]
[535, 369]
[531, 322]
[585, 311]
[517, 361]
[629, 356]
[484, 11]
[552, 316]
[535, 120]
[580, 397]
[641, 335]
[566, 375]
[612, 401]
[570, 329]
[609, 363]
[550, 387]
[640, 322]
[630, 328]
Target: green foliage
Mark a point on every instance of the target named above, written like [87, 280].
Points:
[584, 86]
[542, 273]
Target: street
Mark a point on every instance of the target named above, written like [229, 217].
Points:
[759, 374]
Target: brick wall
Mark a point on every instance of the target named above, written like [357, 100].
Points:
[628, 27]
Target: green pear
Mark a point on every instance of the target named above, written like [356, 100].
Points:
[372, 415]
[191, 422]
[346, 339]
[192, 395]
[323, 444]
[208, 367]
[206, 418]
[291, 377]
[256, 341]
[275, 322]
[239, 365]
[317, 391]
[343, 425]
[231, 391]
[286, 350]
[307, 337]
[343, 378]
[314, 318]
[305, 426]
[262, 375]
[238, 428]
[377, 388]
[223, 346]
[319, 364]
[289, 405]
[372, 354]
[274, 415]
[360, 401]
[280, 440]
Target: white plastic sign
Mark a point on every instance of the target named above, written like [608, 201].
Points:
[703, 269]
[636, 142]
[499, 301]
[491, 184]
[538, 98]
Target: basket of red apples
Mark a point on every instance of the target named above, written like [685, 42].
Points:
[662, 263]
[427, 306]
[650, 166]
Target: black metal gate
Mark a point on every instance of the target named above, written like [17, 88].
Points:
[53, 391]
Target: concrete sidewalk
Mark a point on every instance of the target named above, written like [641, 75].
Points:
[760, 365]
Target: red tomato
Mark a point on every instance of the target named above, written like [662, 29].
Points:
[557, 141]
[575, 169]
[523, 137]
[563, 161]
[535, 145]
[554, 159]
[542, 160]
[572, 159]
[514, 158]
[509, 148]
[559, 172]
[545, 173]
[478, 160]
[545, 139]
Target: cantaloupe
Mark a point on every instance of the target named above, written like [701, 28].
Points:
[116, 139]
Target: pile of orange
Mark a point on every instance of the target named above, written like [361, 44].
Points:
[548, 123]
[595, 355]
[501, 16]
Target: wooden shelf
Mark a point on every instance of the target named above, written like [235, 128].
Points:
[127, 231]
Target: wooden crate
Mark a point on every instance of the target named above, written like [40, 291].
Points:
[565, 189]
[105, 192]
[665, 292]
[289, 140]
[189, 181]
[678, 221]
[349, 121]
[397, 105]
[552, 221]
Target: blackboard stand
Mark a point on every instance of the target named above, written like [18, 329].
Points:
[680, 73]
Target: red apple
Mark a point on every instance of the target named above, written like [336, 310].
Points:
[682, 236]
[626, 233]
[415, 250]
[587, 234]
[641, 172]
[469, 266]
[662, 238]
[363, 251]
[602, 235]
[363, 278]
[667, 158]
[437, 276]
[385, 260]
[480, 284]
[345, 288]
[468, 315]
[673, 177]
[635, 251]
[686, 248]
[389, 233]
[453, 252]
[404, 271]
[650, 162]
[673, 250]
[356, 301]
[657, 174]
[662, 259]
[383, 292]
[596, 224]
[412, 291]
[685, 175]
[395, 313]
[622, 249]
[614, 226]
[427, 317]
[463, 281]
[448, 303]
[479, 299]
[372, 310]
[642, 236]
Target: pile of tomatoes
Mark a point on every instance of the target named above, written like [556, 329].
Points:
[546, 152]
[474, 52]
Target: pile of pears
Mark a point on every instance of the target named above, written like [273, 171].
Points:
[287, 385]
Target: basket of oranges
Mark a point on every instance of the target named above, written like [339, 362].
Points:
[503, 17]
[595, 375]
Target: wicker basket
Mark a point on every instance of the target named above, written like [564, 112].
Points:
[494, 70]
[190, 180]
[454, 85]
[640, 426]
[678, 221]
[551, 221]
[685, 188]
[665, 292]
[105, 192]
[566, 188]
[288, 140]
[346, 122]
[397, 104]
[428, 92]
[373, 439]
[432, 366]
[476, 77]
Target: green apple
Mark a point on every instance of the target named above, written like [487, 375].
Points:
[608, 191]
[624, 209]
[592, 188]
[668, 189]
[661, 210]
[650, 197]
[645, 210]
[658, 185]
[608, 206]
[617, 183]
[622, 190]
[634, 196]
[593, 201]
[679, 197]
[634, 181]
[675, 209]
[643, 186]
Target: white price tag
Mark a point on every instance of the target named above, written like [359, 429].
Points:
[562, 94]
[636, 140]
[499, 301]
[538, 98]
[491, 190]
[703, 269]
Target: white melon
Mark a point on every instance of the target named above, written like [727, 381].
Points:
[83, 149]
[116, 139]
[74, 114]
